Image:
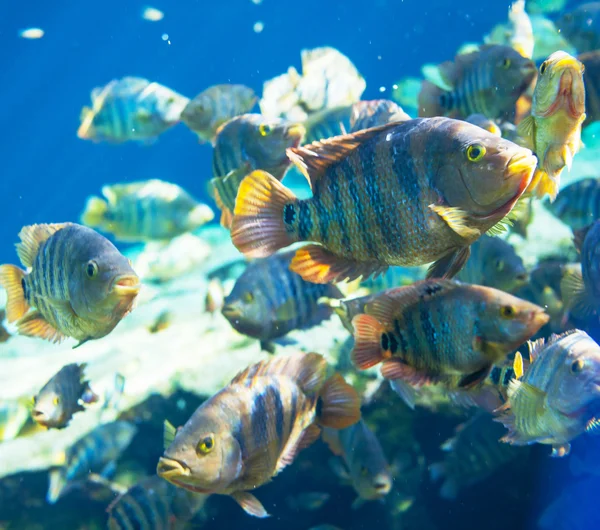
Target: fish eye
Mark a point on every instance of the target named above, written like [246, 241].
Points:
[56, 401]
[248, 297]
[543, 67]
[499, 265]
[206, 445]
[507, 311]
[475, 152]
[506, 63]
[91, 269]
[577, 366]
[265, 129]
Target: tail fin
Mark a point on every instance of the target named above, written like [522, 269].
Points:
[94, 212]
[367, 346]
[11, 278]
[340, 404]
[262, 207]
[429, 100]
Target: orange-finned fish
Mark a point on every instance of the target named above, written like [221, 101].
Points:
[453, 180]
[244, 435]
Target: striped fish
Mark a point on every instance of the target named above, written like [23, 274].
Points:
[93, 453]
[327, 123]
[578, 204]
[130, 108]
[79, 286]
[358, 182]
[268, 300]
[252, 429]
[150, 210]
[215, 106]
[367, 114]
[556, 399]
[488, 81]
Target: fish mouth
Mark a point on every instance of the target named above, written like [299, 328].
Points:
[169, 469]
[127, 285]
[539, 318]
[382, 486]
[231, 312]
[37, 415]
[570, 90]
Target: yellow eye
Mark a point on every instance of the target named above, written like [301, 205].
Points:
[91, 269]
[506, 63]
[265, 129]
[543, 67]
[577, 366]
[206, 445]
[507, 311]
[475, 152]
[248, 297]
[56, 401]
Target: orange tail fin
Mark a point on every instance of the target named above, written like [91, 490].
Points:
[11, 278]
[367, 341]
[340, 404]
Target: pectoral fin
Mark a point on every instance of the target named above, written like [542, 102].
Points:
[250, 504]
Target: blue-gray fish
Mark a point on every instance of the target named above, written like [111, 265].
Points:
[578, 204]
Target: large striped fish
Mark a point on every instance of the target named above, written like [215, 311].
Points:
[79, 286]
[252, 429]
[268, 300]
[150, 210]
[405, 193]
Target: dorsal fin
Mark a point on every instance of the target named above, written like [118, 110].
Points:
[32, 237]
[313, 160]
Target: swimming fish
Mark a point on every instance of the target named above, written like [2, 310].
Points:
[94, 452]
[441, 331]
[518, 33]
[558, 396]
[269, 300]
[79, 286]
[458, 181]
[215, 106]
[485, 123]
[367, 467]
[327, 123]
[309, 501]
[246, 143]
[591, 81]
[244, 435]
[161, 322]
[60, 397]
[494, 263]
[367, 114]
[150, 210]
[578, 204]
[130, 108]
[553, 130]
[581, 26]
[488, 81]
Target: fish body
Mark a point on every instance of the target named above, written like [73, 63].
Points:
[578, 204]
[441, 331]
[363, 456]
[327, 123]
[487, 81]
[215, 106]
[367, 114]
[581, 26]
[151, 210]
[557, 397]
[79, 285]
[60, 397]
[591, 80]
[394, 277]
[90, 454]
[269, 300]
[248, 432]
[359, 181]
[130, 108]
[485, 123]
[553, 130]
[548, 38]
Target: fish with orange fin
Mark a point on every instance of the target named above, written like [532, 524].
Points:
[247, 433]
[553, 130]
[441, 331]
[453, 180]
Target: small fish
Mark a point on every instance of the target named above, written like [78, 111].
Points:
[488, 81]
[553, 130]
[581, 26]
[60, 397]
[244, 435]
[558, 395]
[578, 204]
[367, 114]
[367, 467]
[268, 300]
[215, 106]
[353, 217]
[473, 455]
[13, 416]
[150, 210]
[161, 322]
[441, 331]
[95, 452]
[591, 81]
[79, 285]
[518, 33]
[406, 93]
[309, 501]
[494, 263]
[130, 109]
[327, 123]
[485, 123]
[215, 296]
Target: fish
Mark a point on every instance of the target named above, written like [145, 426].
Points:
[353, 219]
[406, 93]
[553, 130]
[246, 143]
[215, 296]
[367, 114]
[518, 33]
[485, 123]
[494, 263]
[365, 463]
[129, 109]
[547, 38]
[161, 322]
[394, 277]
[269, 300]
[308, 501]
[95, 452]
[13, 416]
[578, 204]
[441, 331]
[557, 398]
[4, 334]
[79, 286]
[59, 399]
[581, 26]
[500, 73]
[215, 106]
[473, 455]
[150, 210]
[244, 435]
[327, 123]
[591, 81]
